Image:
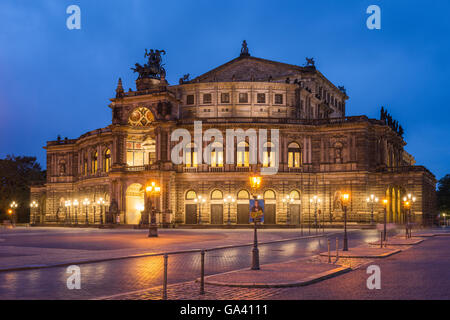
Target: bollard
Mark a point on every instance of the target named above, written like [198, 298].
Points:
[166, 257]
[329, 251]
[202, 272]
[337, 249]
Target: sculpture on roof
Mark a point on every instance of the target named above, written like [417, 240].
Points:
[310, 62]
[244, 49]
[153, 69]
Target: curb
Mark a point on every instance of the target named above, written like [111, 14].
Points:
[384, 255]
[307, 281]
[398, 244]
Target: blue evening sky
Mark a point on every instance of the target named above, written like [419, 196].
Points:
[59, 81]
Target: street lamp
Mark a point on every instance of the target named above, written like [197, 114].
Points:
[287, 200]
[255, 183]
[315, 200]
[408, 201]
[75, 204]
[86, 202]
[345, 199]
[371, 200]
[152, 191]
[13, 205]
[200, 201]
[34, 205]
[228, 200]
[68, 203]
[101, 202]
[385, 203]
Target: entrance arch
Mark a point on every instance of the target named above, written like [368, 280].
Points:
[134, 203]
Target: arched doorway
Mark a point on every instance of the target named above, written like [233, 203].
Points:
[134, 203]
[216, 207]
[270, 207]
[294, 208]
[190, 213]
[394, 207]
[243, 207]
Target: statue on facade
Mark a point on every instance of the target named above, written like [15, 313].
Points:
[153, 69]
[310, 62]
[244, 49]
[342, 89]
[185, 79]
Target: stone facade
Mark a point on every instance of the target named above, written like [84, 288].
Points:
[102, 174]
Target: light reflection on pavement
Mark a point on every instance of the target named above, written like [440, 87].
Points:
[114, 277]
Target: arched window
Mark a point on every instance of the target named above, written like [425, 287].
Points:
[107, 160]
[191, 195]
[242, 154]
[294, 155]
[85, 165]
[216, 155]
[269, 195]
[243, 194]
[216, 195]
[269, 154]
[94, 162]
[294, 195]
[191, 155]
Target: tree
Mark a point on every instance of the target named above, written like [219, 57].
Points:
[443, 194]
[16, 176]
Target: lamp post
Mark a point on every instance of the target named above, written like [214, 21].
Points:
[345, 199]
[408, 202]
[287, 200]
[68, 204]
[75, 204]
[34, 205]
[101, 202]
[371, 200]
[200, 201]
[228, 200]
[255, 183]
[86, 202]
[385, 203]
[13, 206]
[315, 200]
[152, 191]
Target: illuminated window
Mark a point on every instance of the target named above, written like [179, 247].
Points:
[217, 195]
[242, 154]
[294, 155]
[191, 195]
[243, 194]
[191, 156]
[85, 166]
[294, 195]
[94, 162]
[269, 194]
[269, 155]
[107, 160]
[216, 155]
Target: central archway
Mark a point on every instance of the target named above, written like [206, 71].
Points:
[134, 203]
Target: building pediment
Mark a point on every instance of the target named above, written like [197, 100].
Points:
[247, 68]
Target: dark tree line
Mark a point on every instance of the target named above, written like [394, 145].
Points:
[443, 194]
[17, 174]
